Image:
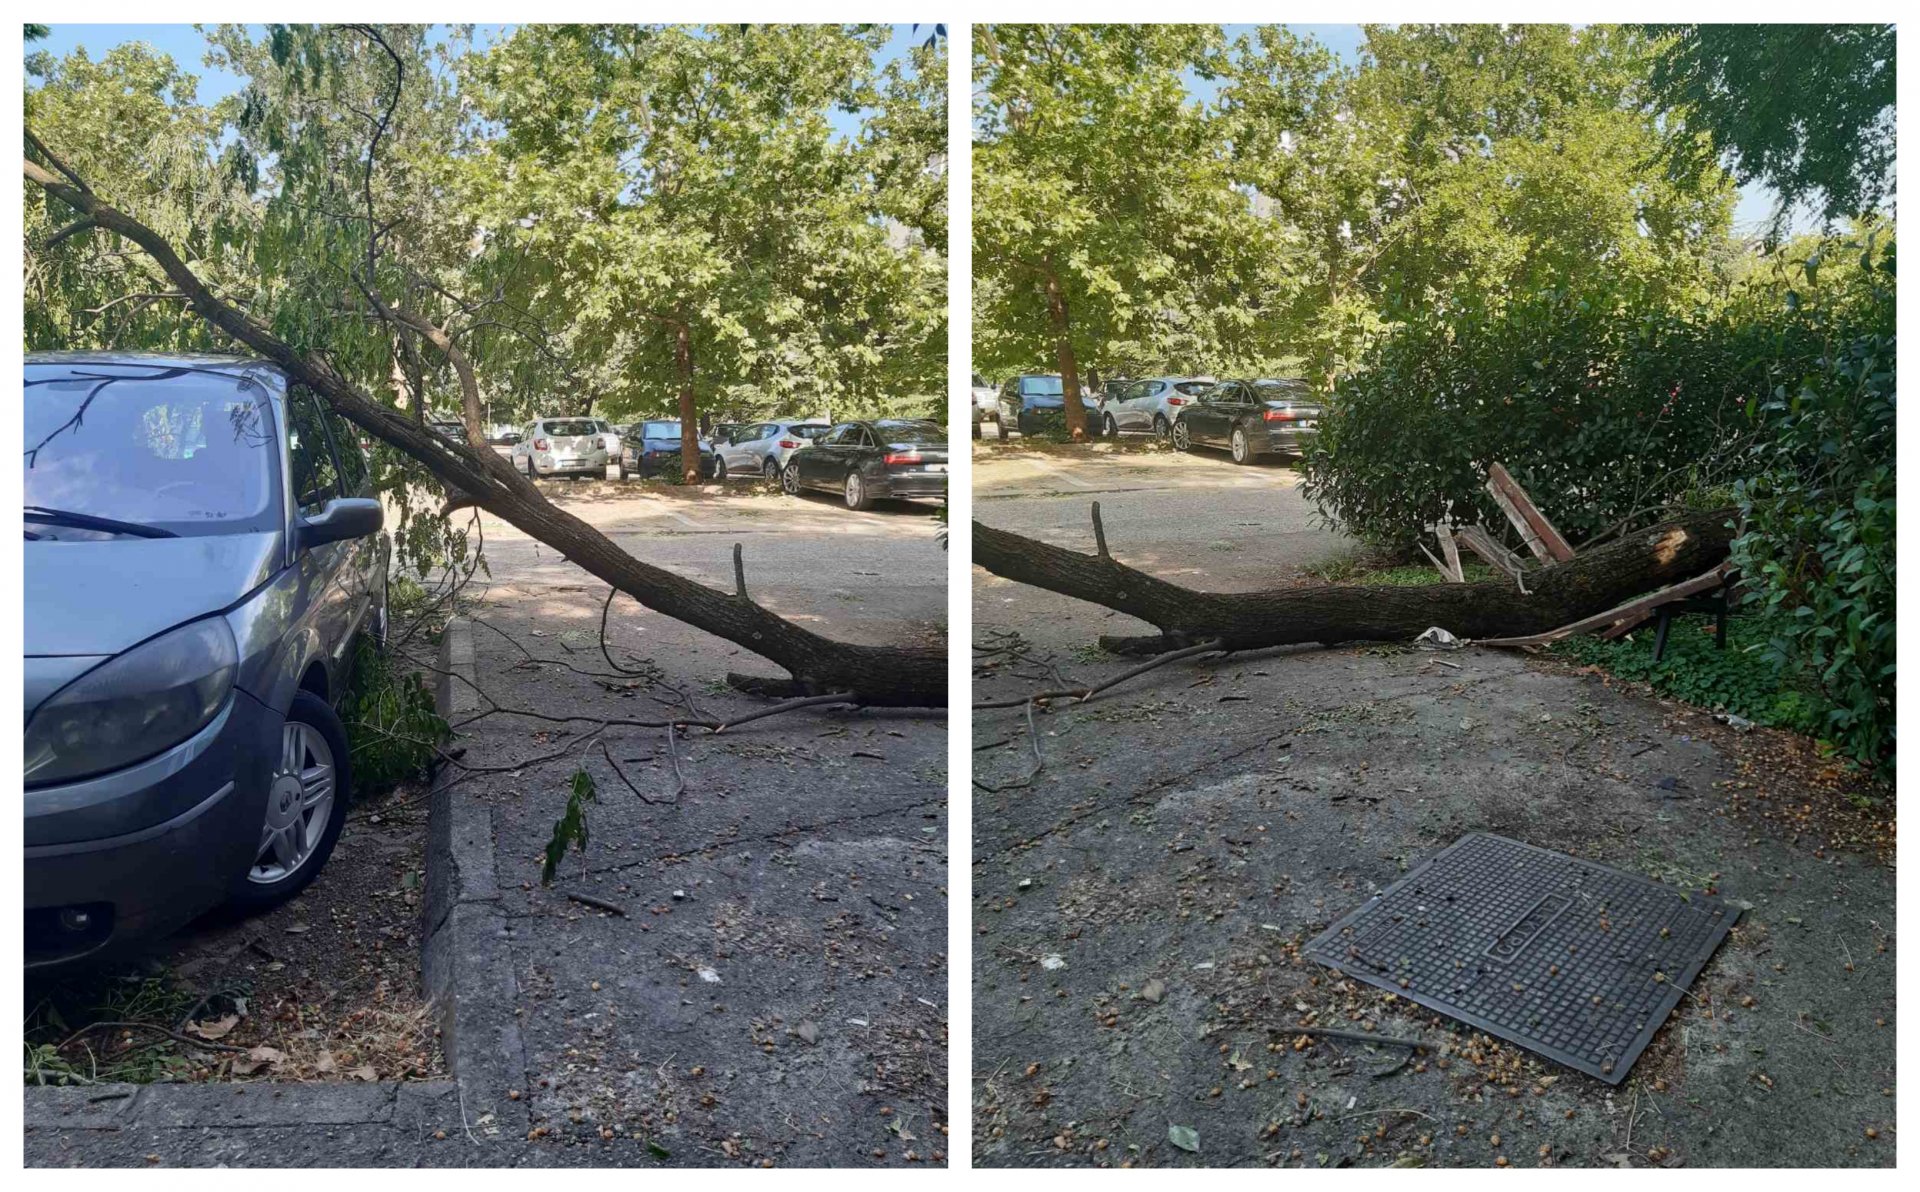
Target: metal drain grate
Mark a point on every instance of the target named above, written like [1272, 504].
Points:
[1572, 959]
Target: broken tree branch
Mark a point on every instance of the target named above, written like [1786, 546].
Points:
[1561, 593]
[875, 675]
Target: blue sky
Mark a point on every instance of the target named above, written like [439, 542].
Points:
[185, 45]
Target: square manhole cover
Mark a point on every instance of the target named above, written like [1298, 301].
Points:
[1572, 959]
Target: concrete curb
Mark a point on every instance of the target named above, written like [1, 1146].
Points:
[466, 965]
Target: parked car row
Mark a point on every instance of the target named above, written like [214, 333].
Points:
[863, 461]
[1246, 418]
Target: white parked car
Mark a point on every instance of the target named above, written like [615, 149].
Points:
[986, 399]
[1152, 405]
[763, 448]
[566, 447]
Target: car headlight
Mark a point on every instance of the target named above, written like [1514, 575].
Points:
[128, 708]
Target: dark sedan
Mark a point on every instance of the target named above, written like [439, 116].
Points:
[1250, 419]
[653, 449]
[871, 461]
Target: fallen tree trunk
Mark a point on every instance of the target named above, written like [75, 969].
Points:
[873, 675]
[1558, 594]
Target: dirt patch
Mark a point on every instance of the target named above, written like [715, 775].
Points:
[326, 987]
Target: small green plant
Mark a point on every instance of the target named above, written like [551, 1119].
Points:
[570, 830]
[1748, 678]
[393, 727]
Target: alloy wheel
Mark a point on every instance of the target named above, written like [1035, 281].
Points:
[770, 470]
[1182, 438]
[1239, 446]
[299, 803]
[856, 496]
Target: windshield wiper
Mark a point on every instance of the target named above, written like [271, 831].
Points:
[41, 515]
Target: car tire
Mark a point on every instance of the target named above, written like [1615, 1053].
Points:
[323, 740]
[790, 480]
[1109, 427]
[770, 470]
[1162, 427]
[531, 474]
[1000, 428]
[1182, 437]
[976, 428]
[719, 468]
[1241, 447]
[856, 493]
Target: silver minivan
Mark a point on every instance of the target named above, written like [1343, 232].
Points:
[202, 547]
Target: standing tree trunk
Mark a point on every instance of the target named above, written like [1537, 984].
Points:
[689, 417]
[1062, 325]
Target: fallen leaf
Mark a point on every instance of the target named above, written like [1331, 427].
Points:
[364, 1072]
[324, 1063]
[1185, 1137]
[217, 1028]
[808, 1031]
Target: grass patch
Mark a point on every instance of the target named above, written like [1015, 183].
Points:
[65, 1046]
[1748, 678]
[1359, 568]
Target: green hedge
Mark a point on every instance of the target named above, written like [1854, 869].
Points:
[1779, 401]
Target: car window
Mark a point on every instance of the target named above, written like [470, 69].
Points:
[316, 479]
[572, 426]
[353, 461]
[812, 434]
[1042, 386]
[915, 433]
[841, 435]
[1193, 388]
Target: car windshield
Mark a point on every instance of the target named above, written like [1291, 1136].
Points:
[917, 433]
[183, 450]
[1041, 386]
[579, 426]
[808, 432]
[1193, 388]
[661, 430]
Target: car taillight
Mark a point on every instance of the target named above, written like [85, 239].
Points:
[902, 457]
[1280, 415]
[788, 444]
[539, 444]
[1176, 401]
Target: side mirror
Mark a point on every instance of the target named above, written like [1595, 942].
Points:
[340, 519]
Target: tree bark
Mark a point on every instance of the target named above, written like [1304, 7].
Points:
[1062, 324]
[689, 417]
[874, 675]
[1564, 592]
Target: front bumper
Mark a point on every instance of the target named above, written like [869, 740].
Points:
[145, 850]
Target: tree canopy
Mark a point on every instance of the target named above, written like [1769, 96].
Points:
[1808, 109]
[627, 219]
[1214, 207]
